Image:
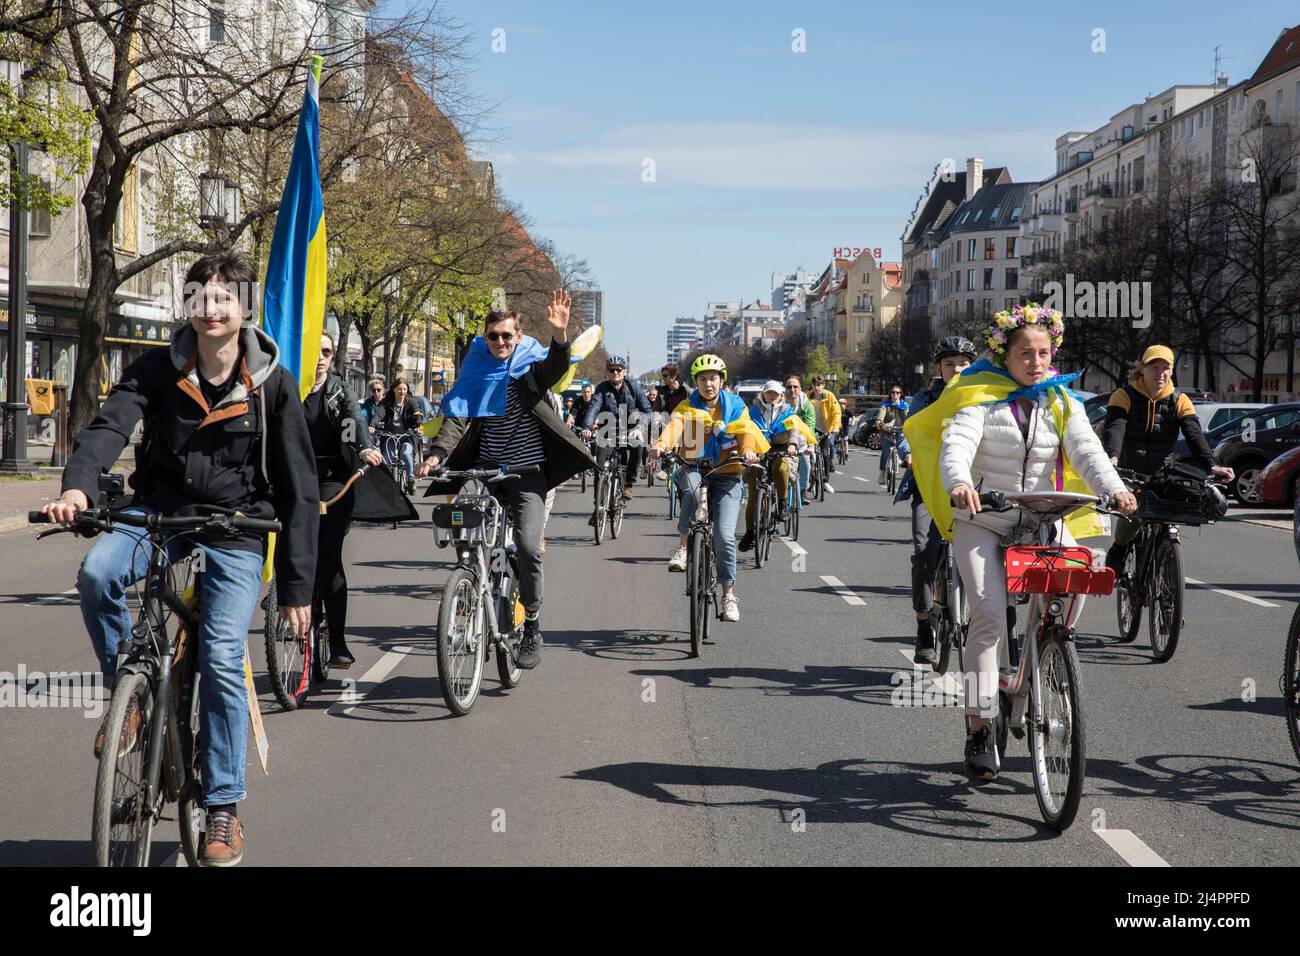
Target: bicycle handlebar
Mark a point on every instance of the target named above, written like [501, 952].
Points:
[487, 474]
[104, 519]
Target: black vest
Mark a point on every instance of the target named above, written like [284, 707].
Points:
[1151, 431]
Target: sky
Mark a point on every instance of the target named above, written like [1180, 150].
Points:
[766, 157]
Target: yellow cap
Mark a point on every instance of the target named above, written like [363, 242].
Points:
[1158, 352]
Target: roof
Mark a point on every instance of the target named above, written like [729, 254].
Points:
[943, 192]
[1282, 56]
[893, 275]
[992, 208]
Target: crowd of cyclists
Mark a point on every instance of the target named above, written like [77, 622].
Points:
[226, 430]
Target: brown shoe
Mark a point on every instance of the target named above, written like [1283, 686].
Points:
[223, 842]
[627, 492]
[130, 738]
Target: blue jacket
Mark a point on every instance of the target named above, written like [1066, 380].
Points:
[906, 487]
[604, 399]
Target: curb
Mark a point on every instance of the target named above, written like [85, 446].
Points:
[13, 522]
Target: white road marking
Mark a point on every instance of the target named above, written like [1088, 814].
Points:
[858, 478]
[372, 679]
[1131, 848]
[1249, 599]
[794, 546]
[50, 599]
[843, 591]
[948, 683]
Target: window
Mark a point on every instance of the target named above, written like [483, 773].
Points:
[990, 248]
[978, 213]
[217, 21]
[970, 308]
[957, 285]
[970, 249]
[1011, 243]
[986, 307]
[970, 280]
[988, 279]
[1277, 108]
[1008, 304]
[993, 216]
[861, 326]
[1278, 420]
[1015, 214]
[125, 227]
[38, 220]
[957, 246]
[1013, 279]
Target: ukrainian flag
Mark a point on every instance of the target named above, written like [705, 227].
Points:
[293, 299]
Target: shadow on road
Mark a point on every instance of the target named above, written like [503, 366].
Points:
[625, 645]
[857, 684]
[77, 852]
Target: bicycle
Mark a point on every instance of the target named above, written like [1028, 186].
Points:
[1049, 705]
[669, 478]
[842, 448]
[793, 501]
[480, 609]
[390, 446]
[1290, 682]
[160, 671]
[765, 509]
[701, 574]
[892, 464]
[610, 478]
[950, 613]
[1151, 572]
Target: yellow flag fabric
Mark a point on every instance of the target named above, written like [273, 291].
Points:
[695, 416]
[979, 385]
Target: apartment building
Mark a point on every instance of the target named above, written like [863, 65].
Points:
[871, 300]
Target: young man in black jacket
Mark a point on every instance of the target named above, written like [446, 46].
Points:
[617, 411]
[526, 430]
[224, 433]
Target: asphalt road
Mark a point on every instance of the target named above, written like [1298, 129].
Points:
[782, 744]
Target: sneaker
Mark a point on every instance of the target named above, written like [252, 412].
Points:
[882, 478]
[130, 738]
[340, 658]
[982, 753]
[627, 492]
[805, 501]
[782, 514]
[730, 608]
[677, 560]
[410, 486]
[223, 839]
[530, 645]
[746, 542]
[591, 522]
[925, 652]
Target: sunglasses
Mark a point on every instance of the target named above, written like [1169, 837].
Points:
[326, 353]
[499, 336]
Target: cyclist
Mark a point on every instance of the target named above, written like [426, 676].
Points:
[889, 423]
[398, 414]
[671, 390]
[846, 422]
[223, 432]
[333, 422]
[828, 417]
[374, 395]
[783, 429]
[953, 354]
[627, 408]
[1143, 420]
[797, 400]
[712, 426]
[1011, 426]
[580, 406]
[498, 414]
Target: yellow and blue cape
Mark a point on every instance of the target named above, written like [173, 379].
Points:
[722, 434]
[986, 384]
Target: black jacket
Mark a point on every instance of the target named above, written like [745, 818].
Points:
[605, 399]
[249, 454]
[390, 418]
[342, 408]
[457, 442]
[667, 401]
[1142, 433]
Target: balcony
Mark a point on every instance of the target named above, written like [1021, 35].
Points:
[863, 309]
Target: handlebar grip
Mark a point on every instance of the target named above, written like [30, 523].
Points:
[525, 470]
[260, 525]
[38, 517]
[992, 500]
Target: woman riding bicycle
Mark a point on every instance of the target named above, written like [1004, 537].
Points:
[1013, 427]
[399, 415]
[784, 430]
[712, 426]
[889, 422]
[334, 420]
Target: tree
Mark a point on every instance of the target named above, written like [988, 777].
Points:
[817, 363]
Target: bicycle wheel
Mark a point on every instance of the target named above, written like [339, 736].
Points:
[287, 657]
[122, 822]
[821, 476]
[762, 518]
[893, 474]
[507, 654]
[583, 489]
[941, 620]
[1166, 620]
[1057, 755]
[460, 642]
[1290, 683]
[697, 580]
[1128, 596]
[770, 532]
[602, 504]
[190, 815]
[320, 649]
[616, 507]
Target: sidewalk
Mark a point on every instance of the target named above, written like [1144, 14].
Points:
[27, 491]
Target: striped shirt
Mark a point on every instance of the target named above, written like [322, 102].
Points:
[512, 439]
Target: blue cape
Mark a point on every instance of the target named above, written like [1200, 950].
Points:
[482, 381]
[1031, 392]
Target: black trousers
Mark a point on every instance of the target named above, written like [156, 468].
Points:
[634, 455]
[331, 579]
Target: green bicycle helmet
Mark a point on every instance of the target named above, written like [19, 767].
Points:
[708, 363]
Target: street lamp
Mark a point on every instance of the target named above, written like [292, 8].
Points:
[15, 407]
[219, 201]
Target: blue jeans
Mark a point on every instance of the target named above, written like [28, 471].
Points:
[231, 581]
[724, 509]
[805, 473]
[830, 447]
[406, 449]
[886, 443]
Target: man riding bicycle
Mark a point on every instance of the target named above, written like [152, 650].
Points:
[580, 406]
[1144, 418]
[826, 409]
[712, 426]
[620, 412]
[784, 430]
[797, 400]
[499, 415]
[224, 432]
[889, 423]
[953, 354]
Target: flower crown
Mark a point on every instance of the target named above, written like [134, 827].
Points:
[1005, 322]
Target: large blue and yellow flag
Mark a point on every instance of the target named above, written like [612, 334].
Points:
[986, 384]
[722, 434]
[293, 298]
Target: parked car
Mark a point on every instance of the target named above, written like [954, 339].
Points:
[1196, 394]
[1214, 417]
[749, 388]
[1277, 482]
[1252, 441]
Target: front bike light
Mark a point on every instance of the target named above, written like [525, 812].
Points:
[1055, 607]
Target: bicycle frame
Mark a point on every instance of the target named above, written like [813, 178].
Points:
[476, 558]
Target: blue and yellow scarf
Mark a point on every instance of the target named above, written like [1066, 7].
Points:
[722, 434]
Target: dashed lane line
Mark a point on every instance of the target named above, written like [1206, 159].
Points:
[842, 590]
[948, 683]
[1249, 599]
[370, 680]
[1131, 848]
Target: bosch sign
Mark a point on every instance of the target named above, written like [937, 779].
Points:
[852, 252]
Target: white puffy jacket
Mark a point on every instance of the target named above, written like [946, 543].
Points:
[984, 443]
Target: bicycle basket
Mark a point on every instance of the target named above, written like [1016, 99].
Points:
[1158, 503]
[458, 521]
[1056, 570]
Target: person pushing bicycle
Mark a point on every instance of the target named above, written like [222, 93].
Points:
[224, 432]
[499, 415]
